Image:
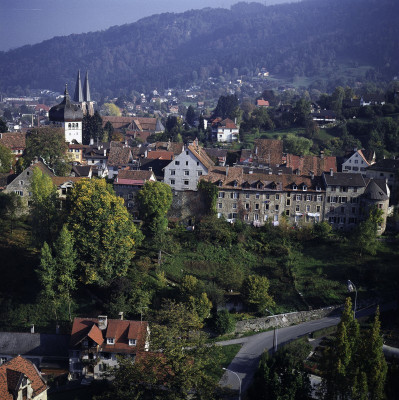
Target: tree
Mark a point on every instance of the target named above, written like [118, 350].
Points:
[57, 271]
[43, 211]
[227, 107]
[301, 112]
[48, 143]
[373, 360]
[155, 199]
[209, 193]
[111, 109]
[190, 115]
[6, 159]
[3, 126]
[255, 290]
[10, 204]
[103, 231]
[297, 145]
[224, 322]
[108, 131]
[92, 128]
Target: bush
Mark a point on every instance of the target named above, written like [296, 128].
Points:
[224, 322]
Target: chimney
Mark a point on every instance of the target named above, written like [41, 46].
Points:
[32, 328]
[311, 175]
[121, 315]
[102, 322]
[322, 154]
[91, 141]
[227, 170]
[331, 172]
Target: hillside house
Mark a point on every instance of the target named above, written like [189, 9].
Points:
[225, 131]
[358, 161]
[14, 141]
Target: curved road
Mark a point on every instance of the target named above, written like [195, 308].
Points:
[247, 359]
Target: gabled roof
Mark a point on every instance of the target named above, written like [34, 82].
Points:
[228, 124]
[160, 155]
[96, 335]
[60, 180]
[344, 179]
[374, 192]
[13, 140]
[174, 147]
[308, 163]
[262, 103]
[11, 372]
[268, 151]
[82, 170]
[201, 155]
[119, 156]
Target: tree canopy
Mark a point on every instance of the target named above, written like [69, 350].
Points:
[103, 230]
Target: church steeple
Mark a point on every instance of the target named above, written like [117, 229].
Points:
[86, 88]
[78, 96]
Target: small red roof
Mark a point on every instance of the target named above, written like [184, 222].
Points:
[262, 103]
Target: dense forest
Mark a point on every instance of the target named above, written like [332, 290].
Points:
[313, 38]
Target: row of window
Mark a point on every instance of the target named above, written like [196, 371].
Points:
[276, 207]
[297, 197]
[186, 182]
[132, 342]
[343, 189]
[342, 199]
[73, 125]
[186, 172]
[177, 162]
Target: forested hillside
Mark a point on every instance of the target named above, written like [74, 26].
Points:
[299, 39]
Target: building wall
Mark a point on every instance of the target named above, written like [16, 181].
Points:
[73, 131]
[227, 135]
[355, 164]
[392, 180]
[184, 171]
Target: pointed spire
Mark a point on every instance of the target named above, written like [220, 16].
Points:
[78, 96]
[86, 88]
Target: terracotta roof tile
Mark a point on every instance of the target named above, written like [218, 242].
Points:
[201, 155]
[134, 175]
[160, 155]
[11, 371]
[119, 156]
[13, 141]
[268, 151]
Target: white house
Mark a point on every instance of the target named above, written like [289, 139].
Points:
[358, 161]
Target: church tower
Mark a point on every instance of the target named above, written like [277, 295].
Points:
[83, 98]
[68, 116]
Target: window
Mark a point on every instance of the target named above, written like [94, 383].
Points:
[256, 217]
[21, 182]
[187, 153]
[172, 181]
[173, 172]
[356, 161]
[3, 360]
[297, 208]
[276, 207]
[247, 195]
[344, 199]
[277, 197]
[265, 218]
[298, 197]
[185, 182]
[177, 162]
[317, 208]
[234, 195]
[319, 197]
[267, 196]
[199, 173]
[197, 163]
[266, 206]
[342, 210]
[110, 340]
[355, 190]
[318, 188]
[287, 213]
[246, 217]
[307, 208]
[234, 205]
[247, 206]
[294, 187]
[132, 342]
[288, 203]
[308, 197]
[220, 205]
[221, 195]
[186, 162]
[356, 168]
[186, 173]
[257, 195]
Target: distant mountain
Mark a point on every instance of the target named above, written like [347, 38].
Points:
[297, 39]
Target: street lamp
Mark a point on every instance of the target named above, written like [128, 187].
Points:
[239, 380]
[275, 339]
[351, 287]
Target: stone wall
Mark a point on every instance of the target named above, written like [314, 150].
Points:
[282, 320]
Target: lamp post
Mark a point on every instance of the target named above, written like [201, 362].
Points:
[351, 287]
[239, 380]
[275, 331]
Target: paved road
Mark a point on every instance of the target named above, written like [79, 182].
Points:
[247, 359]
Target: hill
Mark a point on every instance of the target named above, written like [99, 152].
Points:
[291, 40]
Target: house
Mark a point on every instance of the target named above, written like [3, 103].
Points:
[48, 352]
[139, 124]
[64, 184]
[128, 183]
[225, 131]
[323, 117]
[20, 379]
[96, 343]
[119, 157]
[14, 141]
[350, 195]
[218, 156]
[185, 170]
[21, 183]
[262, 103]
[96, 156]
[83, 171]
[387, 169]
[358, 161]
[75, 152]
[372, 100]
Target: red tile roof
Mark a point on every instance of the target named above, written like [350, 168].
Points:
[13, 140]
[134, 175]
[160, 155]
[119, 156]
[262, 103]
[268, 151]
[305, 164]
[10, 373]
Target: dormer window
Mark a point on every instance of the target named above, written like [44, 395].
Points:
[294, 187]
[318, 188]
[110, 340]
[235, 183]
[304, 188]
[132, 342]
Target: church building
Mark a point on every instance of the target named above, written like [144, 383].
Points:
[69, 114]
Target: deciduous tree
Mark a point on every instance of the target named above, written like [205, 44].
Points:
[6, 159]
[255, 290]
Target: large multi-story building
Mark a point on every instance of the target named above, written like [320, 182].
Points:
[258, 196]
